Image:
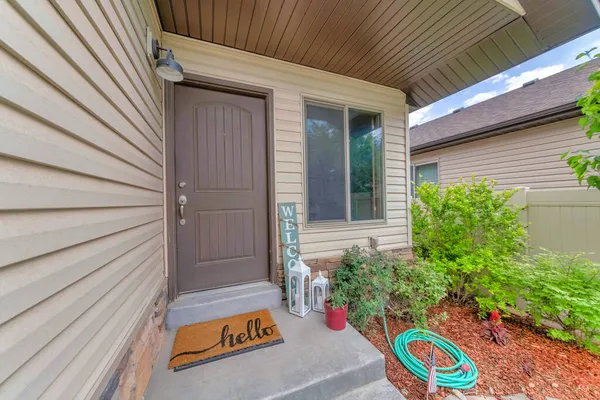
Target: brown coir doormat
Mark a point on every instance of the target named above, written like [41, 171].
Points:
[209, 341]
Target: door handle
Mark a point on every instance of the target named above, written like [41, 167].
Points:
[182, 202]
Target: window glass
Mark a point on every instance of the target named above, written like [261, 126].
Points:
[366, 165]
[325, 163]
[426, 173]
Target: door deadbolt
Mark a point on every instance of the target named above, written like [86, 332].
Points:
[182, 185]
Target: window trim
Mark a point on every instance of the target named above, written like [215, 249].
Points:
[306, 100]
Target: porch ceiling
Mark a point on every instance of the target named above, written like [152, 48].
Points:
[427, 48]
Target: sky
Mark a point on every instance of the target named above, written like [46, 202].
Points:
[549, 63]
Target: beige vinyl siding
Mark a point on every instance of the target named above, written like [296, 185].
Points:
[81, 202]
[529, 157]
[291, 83]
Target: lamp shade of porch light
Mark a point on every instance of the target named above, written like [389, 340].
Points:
[169, 69]
[320, 291]
[300, 289]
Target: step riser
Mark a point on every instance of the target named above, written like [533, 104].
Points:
[339, 384]
[222, 304]
[379, 390]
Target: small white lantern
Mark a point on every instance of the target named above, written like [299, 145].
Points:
[300, 288]
[320, 287]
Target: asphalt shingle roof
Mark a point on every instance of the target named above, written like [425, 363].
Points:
[561, 89]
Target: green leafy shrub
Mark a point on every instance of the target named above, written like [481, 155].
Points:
[470, 232]
[416, 288]
[565, 289]
[337, 299]
[366, 279]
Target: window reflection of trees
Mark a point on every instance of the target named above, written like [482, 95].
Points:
[366, 166]
[326, 172]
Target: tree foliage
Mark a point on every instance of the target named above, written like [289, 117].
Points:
[585, 164]
[470, 232]
[365, 156]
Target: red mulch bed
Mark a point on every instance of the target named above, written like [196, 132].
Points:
[557, 369]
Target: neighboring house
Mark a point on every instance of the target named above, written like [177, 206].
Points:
[516, 138]
[283, 101]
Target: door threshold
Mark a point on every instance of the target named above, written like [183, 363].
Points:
[225, 289]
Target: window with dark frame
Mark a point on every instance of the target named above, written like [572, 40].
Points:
[344, 164]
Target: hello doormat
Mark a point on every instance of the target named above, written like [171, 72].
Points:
[204, 342]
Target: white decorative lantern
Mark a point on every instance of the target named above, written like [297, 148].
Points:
[320, 291]
[300, 288]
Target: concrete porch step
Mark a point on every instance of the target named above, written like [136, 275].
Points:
[221, 303]
[381, 389]
[314, 363]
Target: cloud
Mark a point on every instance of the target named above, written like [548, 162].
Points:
[420, 116]
[515, 82]
[498, 78]
[479, 97]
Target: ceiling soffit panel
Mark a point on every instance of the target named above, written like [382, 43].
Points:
[545, 25]
[503, 49]
[428, 48]
[381, 41]
[552, 21]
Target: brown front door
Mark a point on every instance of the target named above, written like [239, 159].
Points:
[221, 169]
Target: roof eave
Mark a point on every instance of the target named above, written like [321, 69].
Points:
[564, 111]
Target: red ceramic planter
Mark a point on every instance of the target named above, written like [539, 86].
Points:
[336, 318]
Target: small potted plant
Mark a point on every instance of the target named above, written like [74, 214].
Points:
[336, 310]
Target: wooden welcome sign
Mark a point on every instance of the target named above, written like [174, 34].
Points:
[288, 228]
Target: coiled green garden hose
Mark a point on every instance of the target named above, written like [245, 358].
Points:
[462, 375]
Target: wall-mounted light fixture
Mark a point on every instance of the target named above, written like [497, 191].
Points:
[167, 68]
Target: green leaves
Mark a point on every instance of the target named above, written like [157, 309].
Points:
[585, 53]
[417, 288]
[583, 163]
[366, 280]
[587, 167]
[563, 288]
[338, 299]
[470, 232]
[370, 279]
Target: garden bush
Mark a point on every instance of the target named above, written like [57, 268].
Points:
[366, 279]
[416, 288]
[565, 289]
[472, 233]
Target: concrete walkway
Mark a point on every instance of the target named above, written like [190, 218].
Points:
[313, 363]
